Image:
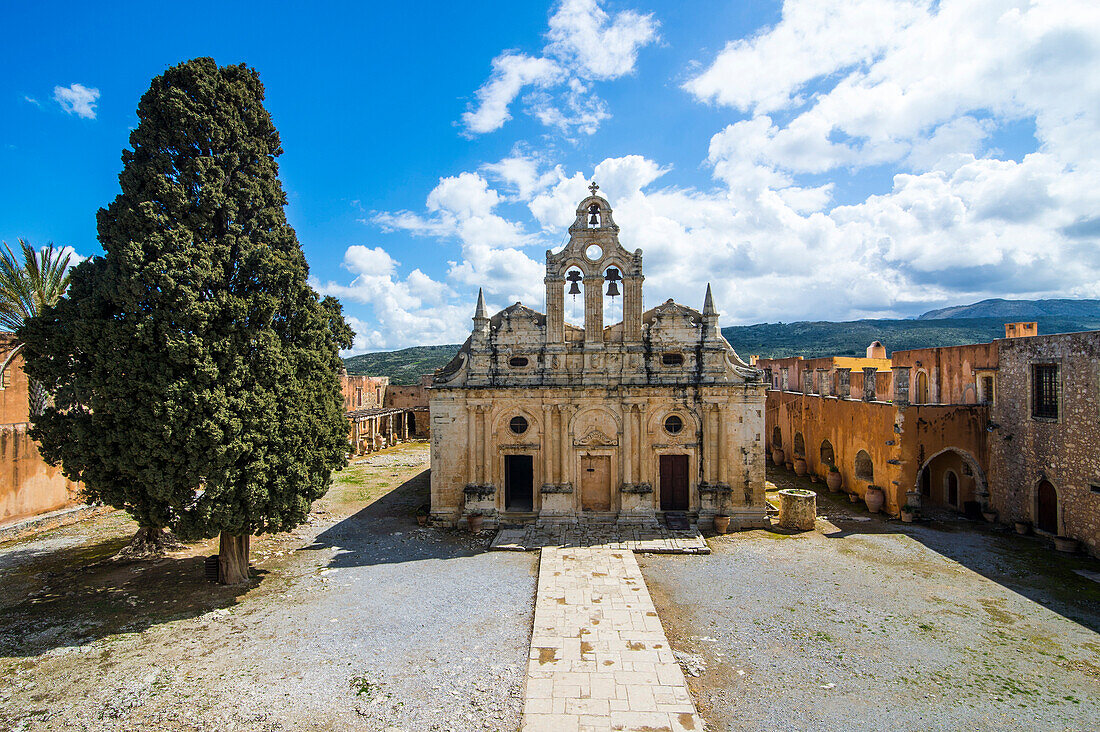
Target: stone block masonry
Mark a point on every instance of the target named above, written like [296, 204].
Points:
[599, 656]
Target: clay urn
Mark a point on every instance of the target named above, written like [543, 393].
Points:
[799, 466]
[833, 480]
[1023, 528]
[874, 498]
[474, 521]
[721, 524]
[777, 455]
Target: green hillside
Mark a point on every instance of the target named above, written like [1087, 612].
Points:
[768, 340]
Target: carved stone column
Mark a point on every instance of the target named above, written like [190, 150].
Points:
[723, 446]
[628, 447]
[901, 385]
[555, 310]
[844, 385]
[471, 444]
[593, 312]
[547, 444]
[869, 383]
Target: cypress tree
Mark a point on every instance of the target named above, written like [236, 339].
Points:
[193, 368]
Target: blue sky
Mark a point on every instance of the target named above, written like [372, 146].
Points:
[858, 158]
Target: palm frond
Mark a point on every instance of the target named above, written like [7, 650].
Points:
[27, 288]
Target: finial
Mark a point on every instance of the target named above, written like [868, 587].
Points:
[593, 188]
[708, 303]
[480, 311]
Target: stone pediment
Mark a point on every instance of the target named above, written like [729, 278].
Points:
[595, 437]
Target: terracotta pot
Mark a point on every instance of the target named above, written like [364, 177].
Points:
[1023, 528]
[474, 521]
[813, 477]
[777, 456]
[721, 524]
[907, 517]
[990, 516]
[853, 497]
[874, 498]
[833, 480]
[1065, 544]
[790, 466]
[421, 519]
[799, 466]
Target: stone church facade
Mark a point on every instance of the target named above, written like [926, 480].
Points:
[537, 419]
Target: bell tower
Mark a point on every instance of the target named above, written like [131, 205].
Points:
[594, 250]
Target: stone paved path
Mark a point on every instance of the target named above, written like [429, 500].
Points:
[599, 656]
[655, 539]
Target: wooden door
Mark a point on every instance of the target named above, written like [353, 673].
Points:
[1047, 519]
[596, 482]
[674, 482]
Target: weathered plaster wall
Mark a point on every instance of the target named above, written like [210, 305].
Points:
[1065, 451]
[28, 486]
[363, 392]
[899, 440]
[952, 371]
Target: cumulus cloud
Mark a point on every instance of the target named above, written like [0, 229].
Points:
[77, 99]
[919, 89]
[585, 44]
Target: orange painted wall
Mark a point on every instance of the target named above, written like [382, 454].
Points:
[951, 370]
[373, 389]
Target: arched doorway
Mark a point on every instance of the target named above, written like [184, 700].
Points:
[920, 393]
[1046, 505]
[799, 445]
[951, 488]
[828, 457]
[952, 478]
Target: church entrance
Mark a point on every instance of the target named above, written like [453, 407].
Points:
[1047, 514]
[596, 482]
[519, 480]
[674, 482]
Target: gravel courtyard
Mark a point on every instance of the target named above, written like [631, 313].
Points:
[359, 620]
[875, 625]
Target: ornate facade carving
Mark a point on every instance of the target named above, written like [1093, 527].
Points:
[624, 419]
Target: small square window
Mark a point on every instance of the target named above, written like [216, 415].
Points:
[1094, 487]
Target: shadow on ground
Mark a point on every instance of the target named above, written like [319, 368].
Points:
[75, 595]
[1028, 565]
[386, 532]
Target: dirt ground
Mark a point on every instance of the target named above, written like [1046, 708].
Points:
[359, 620]
[876, 625]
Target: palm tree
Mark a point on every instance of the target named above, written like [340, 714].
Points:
[25, 290]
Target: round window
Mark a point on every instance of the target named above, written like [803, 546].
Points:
[518, 425]
[593, 252]
[673, 425]
[517, 362]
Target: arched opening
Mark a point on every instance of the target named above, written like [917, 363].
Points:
[920, 392]
[574, 297]
[865, 469]
[827, 455]
[799, 445]
[412, 423]
[1046, 507]
[777, 438]
[612, 296]
[952, 479]
[951, 488]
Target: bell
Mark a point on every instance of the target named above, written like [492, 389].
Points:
[594, 219]
[574, 278]
[574, 288]
[612, 288]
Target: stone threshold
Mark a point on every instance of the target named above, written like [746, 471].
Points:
[646, 538]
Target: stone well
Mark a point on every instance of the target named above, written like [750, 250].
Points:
[797, 509]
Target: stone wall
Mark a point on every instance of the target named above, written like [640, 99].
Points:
[363, 392]
[1064, 451]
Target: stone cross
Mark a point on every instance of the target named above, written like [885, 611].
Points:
[593, 188]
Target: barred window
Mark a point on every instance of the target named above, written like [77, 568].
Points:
[987, 389]
[1045, 391]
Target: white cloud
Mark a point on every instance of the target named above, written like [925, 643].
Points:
[585, 45]
[77, 99]
[31, 100]
[511, 72]
[603, 48]
[919, 89]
